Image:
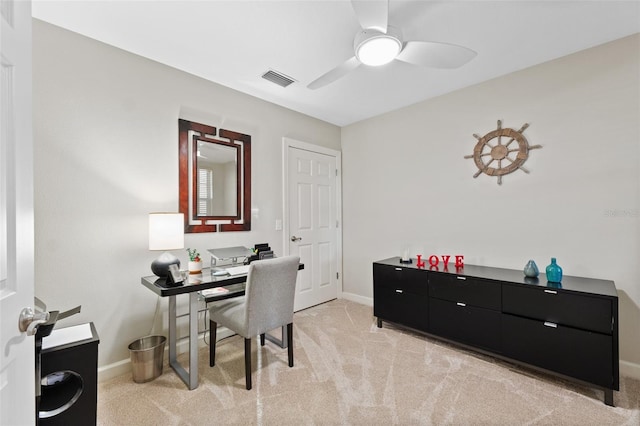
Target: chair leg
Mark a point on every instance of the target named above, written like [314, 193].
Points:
[290, 343]
[262, 339]
[247, 362]
[213, 331]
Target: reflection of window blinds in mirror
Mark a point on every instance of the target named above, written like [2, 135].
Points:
[205, 191]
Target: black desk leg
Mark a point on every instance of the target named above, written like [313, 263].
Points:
[608, 397]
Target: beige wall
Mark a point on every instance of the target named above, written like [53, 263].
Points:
[106, 154]
[406, 182]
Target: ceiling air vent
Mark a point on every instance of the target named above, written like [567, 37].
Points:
[277, 78]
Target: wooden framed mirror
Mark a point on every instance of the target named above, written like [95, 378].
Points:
[215, 178]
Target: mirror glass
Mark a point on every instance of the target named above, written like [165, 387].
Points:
[216, 176]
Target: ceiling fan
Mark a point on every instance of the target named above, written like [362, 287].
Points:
[379, 43]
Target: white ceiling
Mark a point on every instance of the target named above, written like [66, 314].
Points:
[234, 42]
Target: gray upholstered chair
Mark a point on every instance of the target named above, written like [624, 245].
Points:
[267, 305]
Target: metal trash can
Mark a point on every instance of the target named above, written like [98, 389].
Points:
[147, 358]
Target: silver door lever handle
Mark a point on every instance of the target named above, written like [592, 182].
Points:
[294, 238]
[30, 320]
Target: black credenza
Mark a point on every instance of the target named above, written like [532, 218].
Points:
[568, 329]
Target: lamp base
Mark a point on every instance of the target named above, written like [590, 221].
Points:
[160, 266]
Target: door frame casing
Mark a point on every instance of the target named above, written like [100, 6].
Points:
[288, 143]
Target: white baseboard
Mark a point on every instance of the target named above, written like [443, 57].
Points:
[114, 369]
[357, 298]
[118, 368]
[630, 369]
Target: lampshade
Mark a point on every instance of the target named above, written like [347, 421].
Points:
[166, 231]
[375, 48]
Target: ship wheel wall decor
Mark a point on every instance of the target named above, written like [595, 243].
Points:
[495, 158]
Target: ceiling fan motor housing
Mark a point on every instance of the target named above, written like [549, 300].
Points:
[375, 47]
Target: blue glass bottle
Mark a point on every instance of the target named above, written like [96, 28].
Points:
[554, 272]
[531, 269]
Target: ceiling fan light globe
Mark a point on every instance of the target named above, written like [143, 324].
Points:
[374, 48]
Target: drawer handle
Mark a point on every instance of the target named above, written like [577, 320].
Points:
[398, 269]
[550, 324]
[461, 304]
[461, 278]
[399, 291]
[551, 291]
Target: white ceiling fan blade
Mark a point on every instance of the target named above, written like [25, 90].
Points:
[334, 74]
[436, 55]
[372, 13]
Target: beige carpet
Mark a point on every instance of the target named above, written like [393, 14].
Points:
[347, 371]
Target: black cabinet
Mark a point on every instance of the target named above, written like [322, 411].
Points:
[400, 296]
[69, 391]
[465, 323]
[565, 332]
[570, 329]
[465, 309]
[463, 289]
[580, 354]
[588, 312]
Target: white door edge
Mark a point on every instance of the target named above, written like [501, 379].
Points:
[17, 360]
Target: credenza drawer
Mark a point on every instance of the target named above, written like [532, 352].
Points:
[402, 308]
[570, 309]
[576, 353]
[407, 280]
[467, 324]
[468, 290]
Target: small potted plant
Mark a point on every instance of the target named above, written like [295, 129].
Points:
[195, 262]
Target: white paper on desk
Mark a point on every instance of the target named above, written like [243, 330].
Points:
[215, 290]
[62, 336]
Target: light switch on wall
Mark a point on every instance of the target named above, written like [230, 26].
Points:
[278, 224]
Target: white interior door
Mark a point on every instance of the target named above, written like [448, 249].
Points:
[17, 371]
[312, 231]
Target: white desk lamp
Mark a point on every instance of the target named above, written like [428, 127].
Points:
[166, 232]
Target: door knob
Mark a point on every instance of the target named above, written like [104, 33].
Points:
[30, 320]
[294, 238]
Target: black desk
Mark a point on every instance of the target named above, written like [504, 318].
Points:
[193, 285]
